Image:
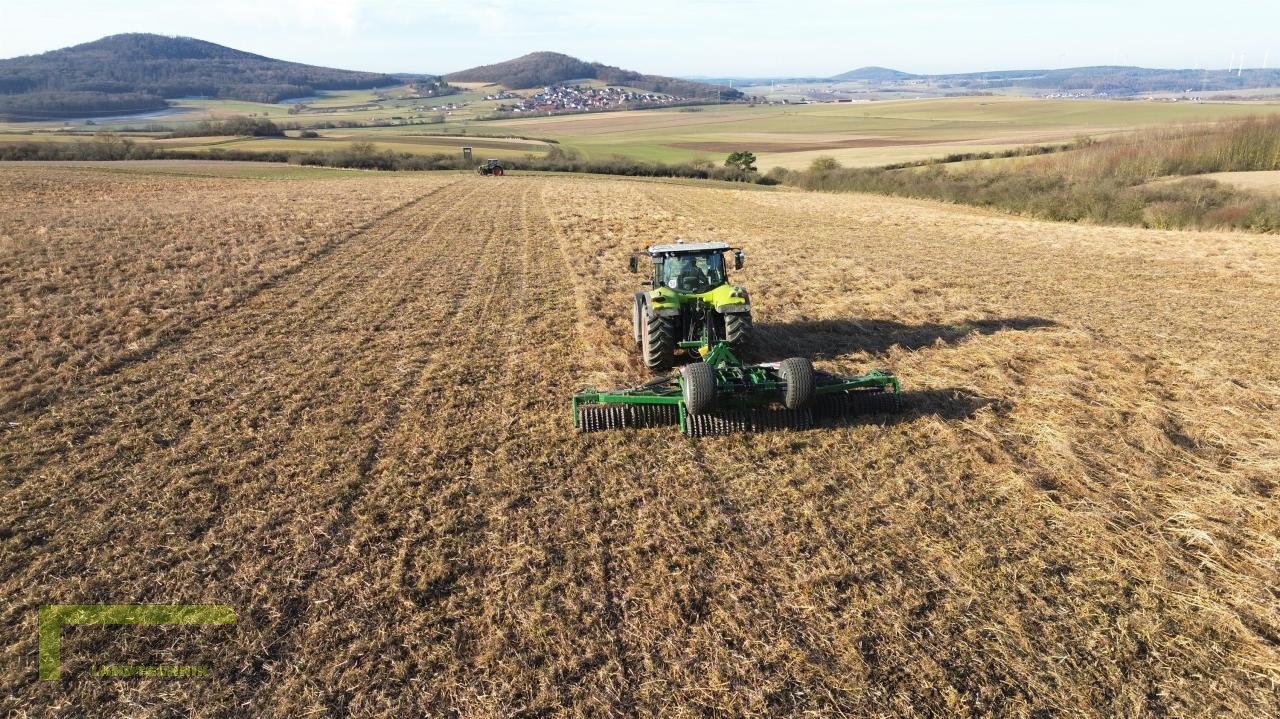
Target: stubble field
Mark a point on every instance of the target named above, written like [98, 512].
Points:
[339, 405]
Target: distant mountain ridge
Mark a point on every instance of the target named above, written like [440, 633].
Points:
[1115, 80]
[539, 69]
[1109, 79]
[134, 72]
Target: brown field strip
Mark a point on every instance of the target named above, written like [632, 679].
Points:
[353, 428]
[801, 146]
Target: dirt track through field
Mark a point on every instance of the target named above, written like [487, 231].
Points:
[371, 460]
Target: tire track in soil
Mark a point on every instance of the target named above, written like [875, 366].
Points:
[492, 524]
[174, 339]
[150, 409]
[473, 265]
[470, 302]
[473, 304]
[264, 326]
[307, 298]
[604, 518]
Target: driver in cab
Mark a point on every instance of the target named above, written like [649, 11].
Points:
[686, 275]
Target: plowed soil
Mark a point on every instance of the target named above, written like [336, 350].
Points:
[340, 407]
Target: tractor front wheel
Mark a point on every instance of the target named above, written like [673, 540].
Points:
[797, 374]
[699, 385]
[737, 329]
[657, 341]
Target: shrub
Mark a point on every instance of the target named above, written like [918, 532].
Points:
[1098, 181]
[240, 126]
[824, 164]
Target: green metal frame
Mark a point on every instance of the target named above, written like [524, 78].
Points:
[737, 385]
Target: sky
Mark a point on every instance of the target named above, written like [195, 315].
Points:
[725, 38]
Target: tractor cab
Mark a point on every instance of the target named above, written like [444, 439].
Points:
[691, 273]
[692, 268]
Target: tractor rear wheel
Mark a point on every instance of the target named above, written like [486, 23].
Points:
[699, 387]
[797, 373]
[737, 329]
[498, 171]
[657, 342]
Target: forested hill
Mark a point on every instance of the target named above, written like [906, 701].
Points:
[538, 69]
[136, 71]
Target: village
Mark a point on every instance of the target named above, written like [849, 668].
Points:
[560, 98]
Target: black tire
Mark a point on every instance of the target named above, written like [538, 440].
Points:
[797, 373]
[657, 342]
[637, 319]
[699, 387]
[497, 171]
[737, 329]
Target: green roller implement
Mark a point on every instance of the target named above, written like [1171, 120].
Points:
[717, 393]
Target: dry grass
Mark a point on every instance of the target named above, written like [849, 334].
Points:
[1109, 182]
[1265, 182]
[371, 459]
[97, 273]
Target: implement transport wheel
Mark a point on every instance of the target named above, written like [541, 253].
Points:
[699, 387]
[657, 341]
[797, 373]
[737, 329]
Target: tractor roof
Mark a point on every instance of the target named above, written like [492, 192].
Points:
[688, 247]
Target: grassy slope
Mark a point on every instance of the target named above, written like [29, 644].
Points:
[951, 124]
[1262, 181]
[1120, 180]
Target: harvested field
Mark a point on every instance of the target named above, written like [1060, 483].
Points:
[1265, 182]
[340, 407]
[800, 147]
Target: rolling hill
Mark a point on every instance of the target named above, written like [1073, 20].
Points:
[134, 73]
[874, 74]
[538, 69]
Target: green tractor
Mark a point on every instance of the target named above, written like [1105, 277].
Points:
[693, 309]
[492, 167]
[689, 291]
